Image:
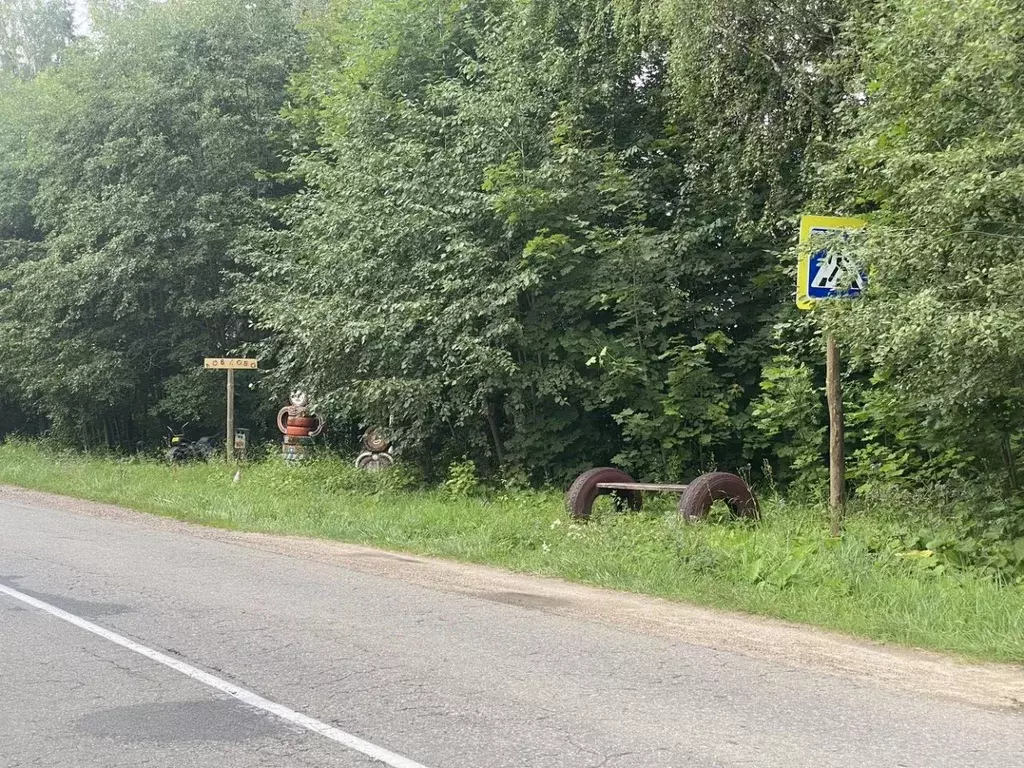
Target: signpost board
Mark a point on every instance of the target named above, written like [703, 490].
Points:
[231, 364]
[824, 271]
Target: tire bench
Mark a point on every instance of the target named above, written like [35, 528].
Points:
[695, 499]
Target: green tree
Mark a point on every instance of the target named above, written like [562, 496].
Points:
[934, 160]
[33, 35]
[382, 291]
[144, 165]
[503, 245]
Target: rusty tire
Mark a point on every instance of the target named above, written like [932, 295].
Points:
[307, 422]
[718, 486]
[580, 498]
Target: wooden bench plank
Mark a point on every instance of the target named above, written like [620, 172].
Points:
[652, 487]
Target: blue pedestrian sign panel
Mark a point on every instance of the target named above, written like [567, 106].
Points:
[824, 271]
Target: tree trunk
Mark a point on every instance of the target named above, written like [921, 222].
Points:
[492, 421]
[1009, 461]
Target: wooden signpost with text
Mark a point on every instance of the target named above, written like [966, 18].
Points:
[824, 272]
[230, 364]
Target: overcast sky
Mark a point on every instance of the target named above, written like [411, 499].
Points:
[81, 17]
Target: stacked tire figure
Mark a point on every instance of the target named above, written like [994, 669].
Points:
[376, 454]
[299, 428]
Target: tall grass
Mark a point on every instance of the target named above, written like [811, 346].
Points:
[784, 566]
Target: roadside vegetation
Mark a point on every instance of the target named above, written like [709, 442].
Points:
[545, 236]
[877, 582]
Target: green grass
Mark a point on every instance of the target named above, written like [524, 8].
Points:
[784, 566]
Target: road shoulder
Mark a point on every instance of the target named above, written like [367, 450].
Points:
[993, 686]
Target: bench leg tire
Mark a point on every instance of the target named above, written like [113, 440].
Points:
[718, 486]
[579, 499]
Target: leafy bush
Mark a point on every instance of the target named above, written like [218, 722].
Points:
[462, 480]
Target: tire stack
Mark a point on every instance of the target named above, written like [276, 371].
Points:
[376, 455]
[299, 429]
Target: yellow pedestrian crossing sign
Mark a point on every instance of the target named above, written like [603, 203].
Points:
[825, 272]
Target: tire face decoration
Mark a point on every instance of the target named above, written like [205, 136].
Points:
[718, 486]
[580, 498]
[375, 442]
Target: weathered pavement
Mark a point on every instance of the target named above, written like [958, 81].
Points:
[448, 666]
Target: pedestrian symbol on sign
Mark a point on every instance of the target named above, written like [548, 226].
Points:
[835, 272]
[824, 270]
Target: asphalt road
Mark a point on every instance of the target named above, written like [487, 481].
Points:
[437, 678]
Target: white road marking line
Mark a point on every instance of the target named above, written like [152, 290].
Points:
[253, 700]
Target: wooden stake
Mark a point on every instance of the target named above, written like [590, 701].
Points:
[836, 452]
[229, 440]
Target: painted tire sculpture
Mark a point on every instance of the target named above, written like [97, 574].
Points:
[580, 498]
[699, 495]
[376, 455]
[299, 427]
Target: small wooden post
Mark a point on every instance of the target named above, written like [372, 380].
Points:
[836, 433]
[229, 440]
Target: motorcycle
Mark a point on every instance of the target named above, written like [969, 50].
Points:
[180, 450]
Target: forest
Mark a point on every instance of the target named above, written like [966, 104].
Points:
[540, 234]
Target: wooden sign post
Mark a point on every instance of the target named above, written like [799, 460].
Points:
[230, 364]
[836, 437]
